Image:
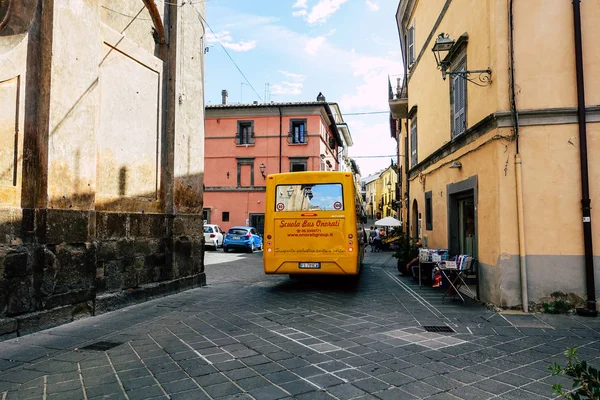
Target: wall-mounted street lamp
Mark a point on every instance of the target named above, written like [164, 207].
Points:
[262, 170]
[456, 164]
[442, 48]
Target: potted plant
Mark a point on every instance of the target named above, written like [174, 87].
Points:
[405, 252]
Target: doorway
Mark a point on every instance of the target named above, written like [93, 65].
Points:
[258, 221]
[462, 217]
[416, 221]
[466, 225]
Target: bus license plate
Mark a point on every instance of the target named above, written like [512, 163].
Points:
[310, 265]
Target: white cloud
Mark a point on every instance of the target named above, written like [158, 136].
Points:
[314, 44]
[293, 86]
[371, 140]
[372, 93]
[323, 10]
[289, 88]
[241, 46]
[219, 36]
[227, 41]
[378, 40]
[299, 13]
[292, 75]
[300, 4]
[373, 6]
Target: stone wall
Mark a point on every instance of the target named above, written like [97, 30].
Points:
[101, 157]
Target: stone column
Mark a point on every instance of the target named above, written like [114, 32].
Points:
[187, 127]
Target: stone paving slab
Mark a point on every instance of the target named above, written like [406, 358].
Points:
[250, 336]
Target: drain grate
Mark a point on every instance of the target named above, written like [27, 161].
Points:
[102, 346]
[439, 329]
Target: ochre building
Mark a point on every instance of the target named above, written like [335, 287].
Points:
[492, 109]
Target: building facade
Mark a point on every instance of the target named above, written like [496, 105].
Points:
[494, 121]
[99, 204]
[370, 184]
[246, 142]
[388, 184]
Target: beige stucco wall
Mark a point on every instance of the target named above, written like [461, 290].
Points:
[428, 91]
[101, 160]
[548, 143]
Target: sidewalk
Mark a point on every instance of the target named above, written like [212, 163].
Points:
[268, 337]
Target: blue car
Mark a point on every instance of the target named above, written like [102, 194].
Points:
[242, 237]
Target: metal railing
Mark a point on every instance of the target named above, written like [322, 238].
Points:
[399, 90]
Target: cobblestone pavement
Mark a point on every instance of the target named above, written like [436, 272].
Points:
[251, 336]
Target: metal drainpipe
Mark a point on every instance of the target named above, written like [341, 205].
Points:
[518, 169]
[280, 137]
[590, 309]
[406, 153]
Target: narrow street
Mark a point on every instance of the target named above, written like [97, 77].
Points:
[251, 336]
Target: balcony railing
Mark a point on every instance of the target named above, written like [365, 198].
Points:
[398, 96]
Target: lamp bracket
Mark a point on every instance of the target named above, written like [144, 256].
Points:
[482, 78]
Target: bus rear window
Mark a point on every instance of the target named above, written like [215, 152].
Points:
[309, 197]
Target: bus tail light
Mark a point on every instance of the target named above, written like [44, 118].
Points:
[350, 249]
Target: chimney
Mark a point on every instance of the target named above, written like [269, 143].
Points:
[224, 96]
[320, 97]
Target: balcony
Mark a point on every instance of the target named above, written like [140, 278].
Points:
[398, 97]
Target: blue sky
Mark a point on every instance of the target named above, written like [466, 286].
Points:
[343, 48]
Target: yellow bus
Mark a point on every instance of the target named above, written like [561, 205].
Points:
[313, 224]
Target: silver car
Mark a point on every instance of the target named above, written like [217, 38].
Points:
[213, 236]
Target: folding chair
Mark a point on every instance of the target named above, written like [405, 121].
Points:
[456, 277]
[423, 258]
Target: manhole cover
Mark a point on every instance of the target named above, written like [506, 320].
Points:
[102, 346]
[439, 329]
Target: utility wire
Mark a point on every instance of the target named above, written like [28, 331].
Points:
[393, 155]
[230, 58]
[367, 113]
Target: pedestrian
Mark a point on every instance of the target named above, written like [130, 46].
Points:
[372, 234]
[415, 258]
[377, 241]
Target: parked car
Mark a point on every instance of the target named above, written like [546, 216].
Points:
[213, 236]
[242, 237]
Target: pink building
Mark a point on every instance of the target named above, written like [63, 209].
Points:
[246, 142]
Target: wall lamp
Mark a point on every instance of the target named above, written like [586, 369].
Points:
[262, 170]
[443, 48]
[456, 164]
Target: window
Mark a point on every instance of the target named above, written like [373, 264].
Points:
[321, 196]
[245, 172]
[458, 96]
[413, 142]
[245, 133]
[411, 45]
[428, 211]
[225, 216]
[331, 142]
[298, 133]
[298, 164]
